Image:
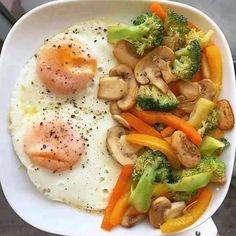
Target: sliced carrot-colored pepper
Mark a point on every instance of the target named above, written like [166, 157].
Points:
[117, 192]
[167, 131]
[139, 125]
[217, 133]
[158, 10]
[179, 223]
[215, 65]
[152, 117]
[156, 144]
[198, 76]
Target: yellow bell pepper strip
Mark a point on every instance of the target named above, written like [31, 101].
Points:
[159, 189]
[117, 192]
[139, 125]
[215, 65]
[156, 144]
[152, 117]
[120, 209]
[179, 223]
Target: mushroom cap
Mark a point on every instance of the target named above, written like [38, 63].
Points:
[121, 151]
[126, 73]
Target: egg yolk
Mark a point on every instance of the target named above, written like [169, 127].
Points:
[54, 145]
[65, 66]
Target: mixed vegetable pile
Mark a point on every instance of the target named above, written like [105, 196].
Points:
[164, 96]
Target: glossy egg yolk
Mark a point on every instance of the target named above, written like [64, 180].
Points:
[54, 145]
[65, 66]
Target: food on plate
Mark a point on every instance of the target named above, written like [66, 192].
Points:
[176, 121]
[125, 119]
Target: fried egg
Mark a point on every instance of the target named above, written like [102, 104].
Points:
[84, 174]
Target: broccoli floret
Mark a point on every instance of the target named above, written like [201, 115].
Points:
[149, 158]
[187, 61]
[210, 123]
[146, 32]
[207, 164]
[151, 166]
[151, 98]
[175, 29]
[200, 36]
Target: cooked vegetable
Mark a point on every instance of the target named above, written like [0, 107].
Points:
[186, 151]
[184, 196]
[201, 110]
[205, 67]
[188, 61]
[167, 131]
[145, 33]
[215, 65]
[121, 121]
[217, 133]
[210, 123]
[158, 10]
[176, 224]
[159, 189]
[149, 158]
[117, 192]
[157, 210]
[119, 210]
[131, 217]
[191, 183]
[175, 210]
[152, 117]
[207, 164]
[139, 125]
[198, 76]
[210, 145]
[155, 144]
[200, 36]
[125, 53]
[175, 29]
[226, 115]
[151, 98]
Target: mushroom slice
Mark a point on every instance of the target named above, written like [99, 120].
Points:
[176, 209]
[226, 115]
[114, 109]
[189, 90]
[208, 89]
[121, 121]
[125, 54]
[131, 217]
[121, 151]
[156, 211]
[126, 73]
[148, 67]
[166, 71]
[186, 105]
[186, 151]
[112, 88]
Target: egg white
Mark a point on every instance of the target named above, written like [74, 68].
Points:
[90, 182]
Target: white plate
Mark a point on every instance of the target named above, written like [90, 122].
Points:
[23, 40]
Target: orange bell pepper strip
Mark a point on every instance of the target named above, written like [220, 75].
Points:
[152, 117]
[182, 222]
[156, 144]
[117, 192]
[198, 76]
[120, 209]
[215, 65]
[192, 26]
[167, 131]
[158, 10]
[139, 125]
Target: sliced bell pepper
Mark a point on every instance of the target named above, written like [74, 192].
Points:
[156, 144]
[179, 223]
[139, 125]
[167, 131]
[158, 10]
[215, 65]
[159, 189]
[152, 117]
[117, 192]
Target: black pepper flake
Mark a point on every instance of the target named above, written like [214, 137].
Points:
[95, 41]
[197, 233]
[72, 116]
[69, 45]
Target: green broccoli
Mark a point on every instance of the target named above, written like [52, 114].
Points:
[151, 166]
[146, 32]
[188, 61]
[203, 38]
[175, 29]
[151, 98]
[207, 164]
[210, 123]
